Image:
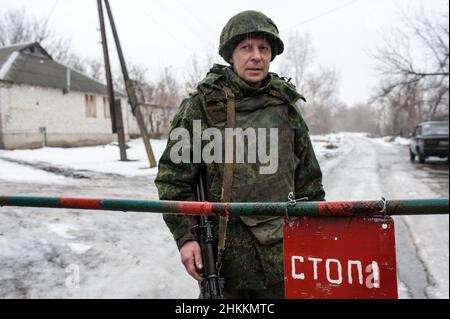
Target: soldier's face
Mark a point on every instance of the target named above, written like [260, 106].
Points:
[251, 60]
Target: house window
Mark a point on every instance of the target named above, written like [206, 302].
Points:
[106, 109]
[91, 106]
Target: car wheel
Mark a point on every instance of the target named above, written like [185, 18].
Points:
[422, 158]
[412, 156]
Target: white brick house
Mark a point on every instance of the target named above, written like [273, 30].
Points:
[43, 102]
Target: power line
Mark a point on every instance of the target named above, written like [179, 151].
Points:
[142, 10]
[183, 20]
[51, 11]
[206, 25]
[324, 13]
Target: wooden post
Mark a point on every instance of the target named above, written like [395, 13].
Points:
[115, 109]
[131, 91]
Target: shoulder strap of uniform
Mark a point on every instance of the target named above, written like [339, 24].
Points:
[215, 104]
[284, 89]
[227, 183]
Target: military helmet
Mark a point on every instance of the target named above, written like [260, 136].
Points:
[249, 23]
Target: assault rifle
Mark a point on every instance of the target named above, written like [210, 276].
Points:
[212, 286]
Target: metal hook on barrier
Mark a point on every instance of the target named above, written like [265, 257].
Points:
[293, 202]
[291, 199]
[384, 212]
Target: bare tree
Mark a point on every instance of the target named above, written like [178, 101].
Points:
[167, 98]
[197, 72]
[317, 83]
[159, 101]
[96, 69]
[402, 109]
[358, 118]
[415, 61]
[59, 48]
[167, 90]
[139, 74]
[17, 27]
[323, 103]
[299, 58]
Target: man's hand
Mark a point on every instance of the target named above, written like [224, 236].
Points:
[191, 257]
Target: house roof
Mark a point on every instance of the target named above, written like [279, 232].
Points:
[28, 47]
[31, 64]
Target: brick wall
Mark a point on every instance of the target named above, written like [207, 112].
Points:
[25, 110]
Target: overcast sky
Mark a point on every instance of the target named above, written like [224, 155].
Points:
[162, 34]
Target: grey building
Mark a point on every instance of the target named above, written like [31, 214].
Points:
[46, 103]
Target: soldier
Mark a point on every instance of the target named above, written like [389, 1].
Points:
[243, 95]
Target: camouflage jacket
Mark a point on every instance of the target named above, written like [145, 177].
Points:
[176, 181]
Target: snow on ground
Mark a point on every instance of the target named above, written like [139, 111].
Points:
[66, 254]
[396, 140]
[104, 159]
[134, 255]
[327, 146]
[430, 234]
[380, 167]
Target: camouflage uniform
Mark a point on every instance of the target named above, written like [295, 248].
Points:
[253, 258]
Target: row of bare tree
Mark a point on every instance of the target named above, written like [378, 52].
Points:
[18, 27]
[319, 84]
[413, 66]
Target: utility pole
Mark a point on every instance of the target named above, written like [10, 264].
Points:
[115, 108]
[131, 91]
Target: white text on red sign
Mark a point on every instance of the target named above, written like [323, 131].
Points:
[336, 271]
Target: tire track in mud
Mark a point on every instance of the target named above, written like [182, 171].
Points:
[59, 170]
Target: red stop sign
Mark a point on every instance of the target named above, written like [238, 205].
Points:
[328, 257]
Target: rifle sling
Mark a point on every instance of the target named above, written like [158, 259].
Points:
[228, 168]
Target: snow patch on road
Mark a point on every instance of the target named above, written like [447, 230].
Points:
[394, 140]
[61, 230]
[79, 248]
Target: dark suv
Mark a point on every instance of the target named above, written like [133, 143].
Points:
[429, 139]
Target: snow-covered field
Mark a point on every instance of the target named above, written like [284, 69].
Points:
[71, 254]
